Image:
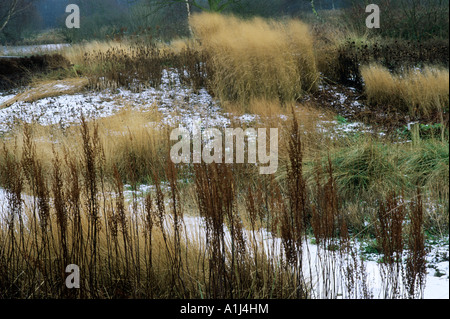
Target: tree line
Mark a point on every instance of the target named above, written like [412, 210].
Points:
[165, 19]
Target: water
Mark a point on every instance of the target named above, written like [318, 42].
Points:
[30, 49]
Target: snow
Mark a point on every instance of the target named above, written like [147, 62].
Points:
[6, 97]
[64, 110]
[178, 104]
[337, 130]
[3, 201]
[62, 87]
[318, 263]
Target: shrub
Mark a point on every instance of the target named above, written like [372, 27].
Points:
[340, 55]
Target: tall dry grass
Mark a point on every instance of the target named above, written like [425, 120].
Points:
[237, 60]
[139, 65]
[75, 53]
[133, 142]
[78, 214]
[141, 246]
[418, 92]
[114, 64]
[256, 58]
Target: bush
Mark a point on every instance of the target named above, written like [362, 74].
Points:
[341, 61]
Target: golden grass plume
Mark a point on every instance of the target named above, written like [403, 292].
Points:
[257, 58]
[419, 92]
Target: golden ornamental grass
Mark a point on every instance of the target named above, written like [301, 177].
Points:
[419, 92]
[257, 58]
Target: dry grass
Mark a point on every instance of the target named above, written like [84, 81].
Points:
[118, 64]
[76, 53]
[131, 140]
[420, 93]
[256, 58]
[138, 248]
[178, 45]
[46, 89]
[135, 143]
[126, 249]
[237, 60]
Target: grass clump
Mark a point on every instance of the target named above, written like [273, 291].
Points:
[417, 92]
[257, 58]
[366, 168]
[132, 143]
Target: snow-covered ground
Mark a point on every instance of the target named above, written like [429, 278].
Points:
[317, 262]
[178, 104]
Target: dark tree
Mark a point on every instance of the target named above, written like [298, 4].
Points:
[11, 8]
